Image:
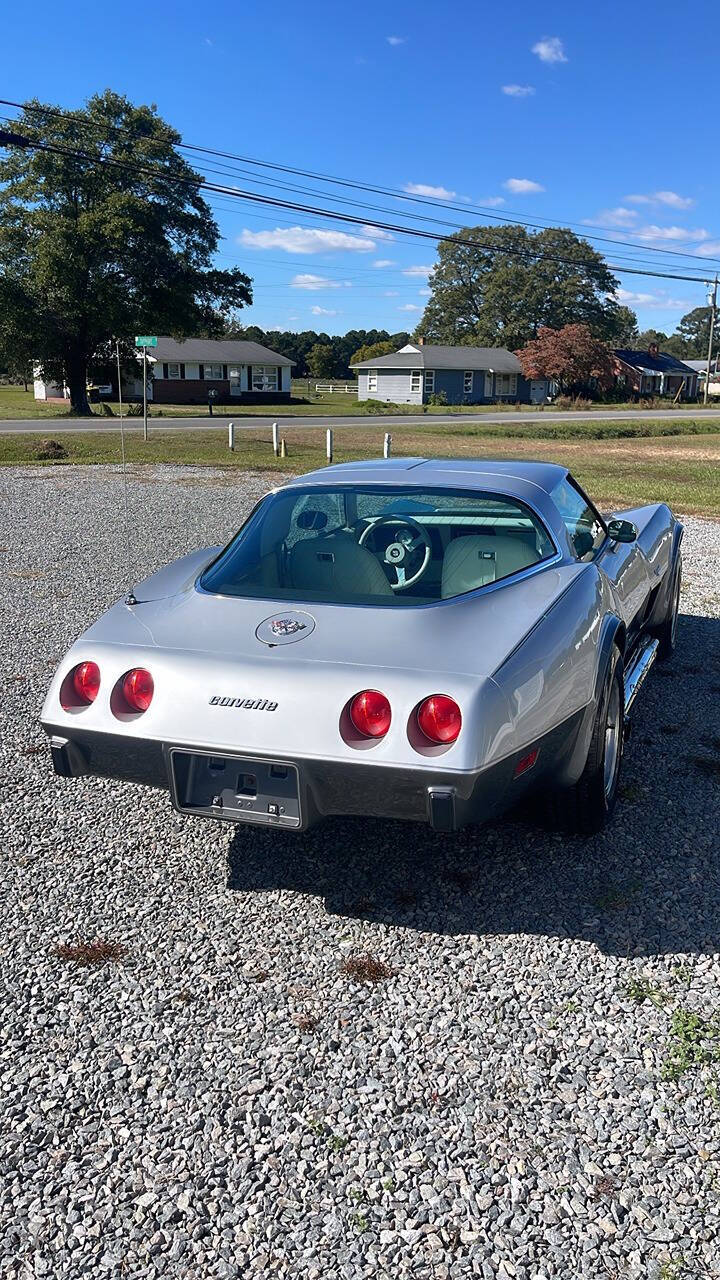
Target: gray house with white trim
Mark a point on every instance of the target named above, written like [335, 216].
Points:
[466, 375]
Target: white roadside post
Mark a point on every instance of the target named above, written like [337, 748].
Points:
[387, 444]
[276, 441]
[231, 436]
[329, 444]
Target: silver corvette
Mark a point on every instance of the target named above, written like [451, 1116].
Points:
[404, 638]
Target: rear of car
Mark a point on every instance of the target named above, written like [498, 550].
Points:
[347, 653]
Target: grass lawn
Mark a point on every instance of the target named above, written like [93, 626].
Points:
[618, 470]
[16, 403]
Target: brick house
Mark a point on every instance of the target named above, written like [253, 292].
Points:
[654, 373]
[183, 372]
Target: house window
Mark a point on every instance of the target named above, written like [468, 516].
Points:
[173, 371]
[467, 382]
[429, 381]
[372, 380]
[415, 380]
[264, 377]
[505, 384]
[213, 372]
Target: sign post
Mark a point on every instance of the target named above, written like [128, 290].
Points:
[145, 343]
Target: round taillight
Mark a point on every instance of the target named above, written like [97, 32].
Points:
[370, 713]
[86, 681]
[440, 718]
[138, 689]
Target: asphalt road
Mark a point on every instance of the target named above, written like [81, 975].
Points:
[54, 426]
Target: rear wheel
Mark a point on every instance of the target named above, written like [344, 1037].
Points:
[667, 635]
[588, 805]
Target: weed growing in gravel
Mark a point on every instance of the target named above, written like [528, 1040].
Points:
[359, 1221]
[673, 1269]
[694, 1041]
[367, 968]
[641, 989]
[615, 897]
[305, 1021]
[91, 953]
[603, 1189]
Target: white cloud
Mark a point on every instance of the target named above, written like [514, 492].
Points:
[377, 233]
[522, 186]
[322, 311]
[711, 249]
[395, 40]
[658, 301]
[409, 306]
[618, 217]
[423, 189]
[518, 90]
[391, 293]
[425, 293]
[418, 271]
[305, 240]
[669, 198]
[655, 233]
[315, 283]
[384, 262]
[550, 49]
[492, 202]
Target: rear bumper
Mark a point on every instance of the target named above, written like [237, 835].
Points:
[443, 799]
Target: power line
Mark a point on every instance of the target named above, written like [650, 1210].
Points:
[364, 186]
[335, 215]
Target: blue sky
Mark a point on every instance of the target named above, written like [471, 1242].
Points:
[561, 112]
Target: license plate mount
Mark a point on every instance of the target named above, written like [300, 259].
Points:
[236, 788]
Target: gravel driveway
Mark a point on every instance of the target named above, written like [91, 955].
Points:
[533, 1088]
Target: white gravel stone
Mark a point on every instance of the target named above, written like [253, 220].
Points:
[497, 1108]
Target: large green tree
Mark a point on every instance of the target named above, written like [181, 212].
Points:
[508, 282]
[112, 243]
[693, 330]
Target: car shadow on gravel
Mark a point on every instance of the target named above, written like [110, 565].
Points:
[649, 885]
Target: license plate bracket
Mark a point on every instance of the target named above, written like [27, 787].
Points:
[236, 788]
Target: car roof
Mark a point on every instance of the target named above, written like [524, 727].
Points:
[482, 473]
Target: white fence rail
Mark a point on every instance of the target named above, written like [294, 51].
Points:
[333, 388]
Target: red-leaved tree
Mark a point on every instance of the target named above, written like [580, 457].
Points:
[571, 357]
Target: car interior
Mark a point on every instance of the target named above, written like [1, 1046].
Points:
[380, 546]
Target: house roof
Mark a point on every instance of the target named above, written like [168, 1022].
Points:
[216, 350]
[431, 357]
[643, 360]
[700, 366]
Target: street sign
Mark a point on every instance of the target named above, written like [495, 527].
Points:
[146, 342]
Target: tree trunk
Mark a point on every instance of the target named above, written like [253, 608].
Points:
[77, 382]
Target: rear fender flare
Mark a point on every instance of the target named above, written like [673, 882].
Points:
[612, 633]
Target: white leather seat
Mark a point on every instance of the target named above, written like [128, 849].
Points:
[477, 559]
[337, 565]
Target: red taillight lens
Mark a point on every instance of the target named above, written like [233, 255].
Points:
[138, 689]
[86, 681]
[440, 718]
[370, 713]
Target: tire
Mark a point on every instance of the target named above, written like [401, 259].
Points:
[587, 807]
[667, 633]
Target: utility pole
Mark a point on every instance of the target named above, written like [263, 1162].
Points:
[712, 300]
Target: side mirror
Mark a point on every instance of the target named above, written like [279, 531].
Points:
[622, 531]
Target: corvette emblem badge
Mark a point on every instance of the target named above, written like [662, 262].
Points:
[285, 628]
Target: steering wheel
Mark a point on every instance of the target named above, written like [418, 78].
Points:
[402, 551]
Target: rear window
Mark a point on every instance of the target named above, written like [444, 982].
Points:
[378, 545]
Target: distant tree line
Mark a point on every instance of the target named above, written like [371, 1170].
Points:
[321, 355]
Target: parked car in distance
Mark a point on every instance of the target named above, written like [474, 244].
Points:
[403, 638]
